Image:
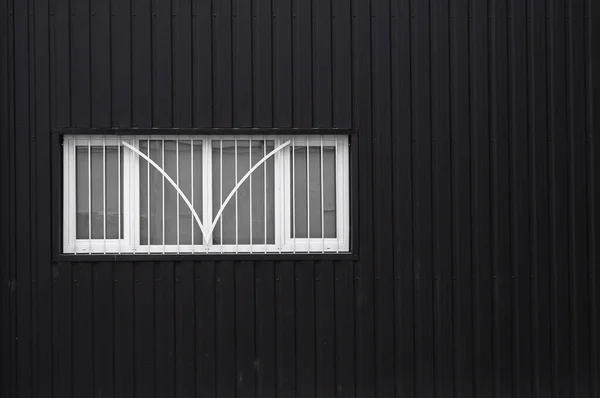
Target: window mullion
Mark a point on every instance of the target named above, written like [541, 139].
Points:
[89, 171]
[177, 172]
[281, 174]
[276, 198]
[250, 182]
[220, 192]
[340, 183]
[104, 192]
[119, 165]
[293, 218]
[69, 192]
[235, 163]
[163, 192]
[342, 199]
[345, 171]
[265, 193]
[148, 188]
[308, 191]
[192, 189]
[207, 189]
[322, 208]
[134, 192]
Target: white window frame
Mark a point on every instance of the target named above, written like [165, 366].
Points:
[341, 242]
[88, 246]
[130, 241]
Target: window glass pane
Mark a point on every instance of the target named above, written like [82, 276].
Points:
[243, 193]
[216, 189]
[185, 174]
[151, 183]
[111, 190]
[223, 183]
[298, 203]
[197, 201]
[315, 191]
[227, 222]
[299, 178]
[170, 195]
[156, 202]
[112, 193]
[329, 189]
[143, 166]
[81, 195]
[258, 193]
[97, 200]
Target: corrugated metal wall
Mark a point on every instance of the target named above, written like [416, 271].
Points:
[478, 171]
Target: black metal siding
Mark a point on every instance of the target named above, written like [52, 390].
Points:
[477, 215]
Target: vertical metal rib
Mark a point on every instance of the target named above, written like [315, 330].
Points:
[90, 194]
[192, 186]
[236, 195]
[104, 192]
[265, 193]
[322, 207]
[163, 193]
[308, 192]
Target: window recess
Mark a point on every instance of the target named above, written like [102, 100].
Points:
[205, 194]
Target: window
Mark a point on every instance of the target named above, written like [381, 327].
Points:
[205, 194]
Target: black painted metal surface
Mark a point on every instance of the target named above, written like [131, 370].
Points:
[477, 161]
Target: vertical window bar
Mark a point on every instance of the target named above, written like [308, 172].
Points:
[73, 156]
[308, 191]
[148, 187]
[249, 167]
[280, 238]
[119, 194]
[337, 235]
[221, 189]
[236, 195]
[192, 187]
[322, 207]
[90, 194]
[294, 190]
[345, 199]
[265, 192]
[104, 192]
[163, 192]
[177, 170]
[137, 238]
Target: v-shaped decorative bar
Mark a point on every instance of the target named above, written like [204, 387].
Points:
[206, 234]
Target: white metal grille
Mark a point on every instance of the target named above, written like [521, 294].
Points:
[206, 194]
